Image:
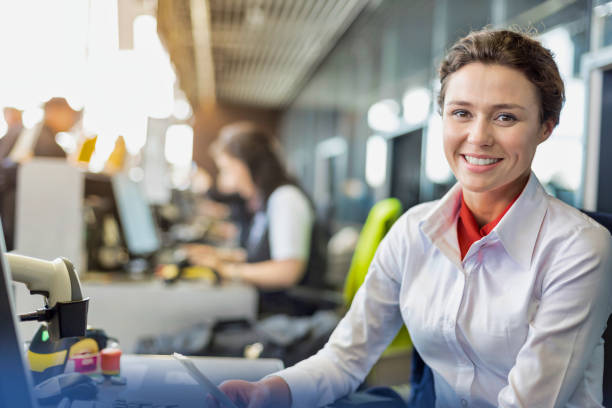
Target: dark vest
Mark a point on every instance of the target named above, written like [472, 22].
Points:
[258, 250]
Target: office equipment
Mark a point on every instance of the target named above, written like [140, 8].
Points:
[137, 222]
[104, 240]
[65, 306]
[65, 311]
[8, 194]
[49, 216]
[204, 382]
[405, 180]
[153, 381]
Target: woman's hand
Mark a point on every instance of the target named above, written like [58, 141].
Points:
[223, 254]
[273, 392]
[203, 255]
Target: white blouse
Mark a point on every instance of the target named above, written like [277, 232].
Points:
[517, 323]
[290, 220]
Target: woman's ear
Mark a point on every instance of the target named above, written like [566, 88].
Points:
[546, 130]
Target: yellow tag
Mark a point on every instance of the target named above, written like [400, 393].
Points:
[87, 149]
[40, 362]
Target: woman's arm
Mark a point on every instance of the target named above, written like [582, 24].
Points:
[267, 275]
[273, 274]
[567, 326]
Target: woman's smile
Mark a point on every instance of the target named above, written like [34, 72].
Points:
[480, 161]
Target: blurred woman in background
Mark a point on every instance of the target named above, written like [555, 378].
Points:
[278, 252]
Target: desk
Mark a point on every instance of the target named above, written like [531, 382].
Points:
[129, 310]
[161, 381]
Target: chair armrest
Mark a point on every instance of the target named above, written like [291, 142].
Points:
[324, 299]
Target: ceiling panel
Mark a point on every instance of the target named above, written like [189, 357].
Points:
[262, 51]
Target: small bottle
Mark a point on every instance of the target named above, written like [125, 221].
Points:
[111, 361]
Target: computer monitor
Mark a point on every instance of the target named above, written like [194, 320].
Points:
[8, 194]
[406, 168]
[137, 222]
[15, 380]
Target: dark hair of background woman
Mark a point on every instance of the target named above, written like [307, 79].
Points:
[258, 151]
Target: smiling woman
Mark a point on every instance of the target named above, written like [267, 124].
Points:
[503, 288]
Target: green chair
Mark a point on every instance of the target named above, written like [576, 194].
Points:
[380, 219]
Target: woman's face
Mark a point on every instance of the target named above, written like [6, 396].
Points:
[234, 176]
[491, 127]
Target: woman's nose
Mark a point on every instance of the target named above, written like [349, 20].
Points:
[480, 133]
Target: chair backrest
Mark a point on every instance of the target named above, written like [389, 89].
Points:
[606, 220]
[380, 218]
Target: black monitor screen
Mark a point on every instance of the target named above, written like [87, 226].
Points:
[406, 168]
[8, 193]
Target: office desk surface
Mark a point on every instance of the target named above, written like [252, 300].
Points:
[161, 381]
[128, 310]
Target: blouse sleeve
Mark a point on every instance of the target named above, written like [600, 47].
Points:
[567, 327]
[290, 221]
[359, 339]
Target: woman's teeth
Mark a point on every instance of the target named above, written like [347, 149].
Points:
[479, 161]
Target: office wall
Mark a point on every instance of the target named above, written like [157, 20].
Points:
[395, 46]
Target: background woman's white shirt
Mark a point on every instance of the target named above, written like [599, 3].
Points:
[290, 220]
[517, 323]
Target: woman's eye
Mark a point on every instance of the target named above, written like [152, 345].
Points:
[462, 114]
[505, 117]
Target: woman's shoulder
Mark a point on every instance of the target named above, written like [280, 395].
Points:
[568, 220]
[287, 192]
[571, 232]
[290, 198]
[288, 195]
[408, 224]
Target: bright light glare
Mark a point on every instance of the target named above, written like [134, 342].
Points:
[332, 147]
[560, 162]
[178, 147]
[44, 48]
[181, 177]
[67, 141]
[383, 116]
[155, 72]
[571, 121]
[145, 34]
[136, 174]
[31, 117]
[3, 127]
[135, 132]
[104, 147]
[376, 161]
[560, 43]
[182, 109]
[416, 103]
[436, 166]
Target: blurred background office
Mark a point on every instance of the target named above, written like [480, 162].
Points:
[140, 89]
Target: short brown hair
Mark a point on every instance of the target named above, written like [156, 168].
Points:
[511, 49]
